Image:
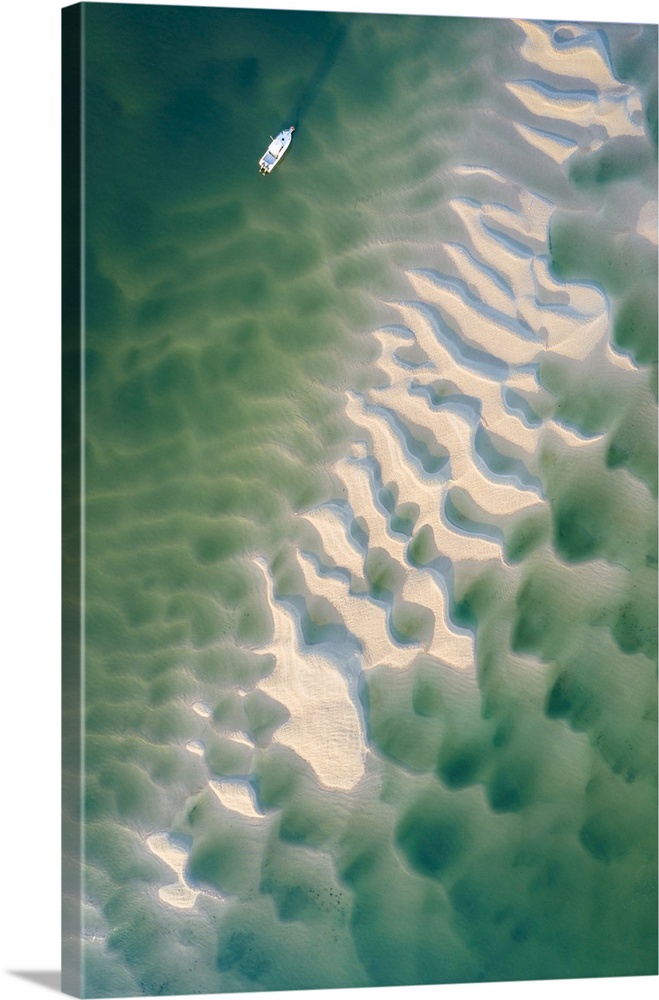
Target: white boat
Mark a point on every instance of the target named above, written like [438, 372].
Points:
[276, 150]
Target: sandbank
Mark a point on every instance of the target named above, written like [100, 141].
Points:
[324, 726]
[478, 278]
[240, 737]
[554, 146]
[178, 894]
[366, 619]
[336, 544]
[427, 495]
[475, 327]
[609, 113]
[472, 384]
[534, 289]
[580, 60]
[455, 434]
[236, 796]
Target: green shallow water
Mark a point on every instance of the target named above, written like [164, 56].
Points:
[505, 827]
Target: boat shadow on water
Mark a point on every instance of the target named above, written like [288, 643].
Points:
[280, 143]
[315, 85]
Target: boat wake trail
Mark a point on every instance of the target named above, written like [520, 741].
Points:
[315, 85]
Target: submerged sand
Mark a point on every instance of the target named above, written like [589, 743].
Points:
[372, 504]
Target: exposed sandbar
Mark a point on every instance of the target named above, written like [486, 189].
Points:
[178, 894]
[236, 796]
[324, 727]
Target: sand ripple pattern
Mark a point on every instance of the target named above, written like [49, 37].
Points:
[454, 486]
[447, 447]
[371, 620]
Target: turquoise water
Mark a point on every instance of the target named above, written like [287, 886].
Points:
[240, 337]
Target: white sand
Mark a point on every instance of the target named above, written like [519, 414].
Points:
[202, 709]
[624, 362]
[477, 278]
[512, 268]
[527, 212]
[241, 738]
[617, 106]
[427, 495]
[336, 543]
[476, 328]
[589, 301]
[528, 224]
[572, 334]
[569, 437]
[589, 339]
[556, 147]
[196, 747]
[324, 727]
[367, 620]
[453, 431]
[615, 116]
[570, 321]
[236, 796]
[179, 894]
[363, 617]
[578, 60]
[470, 169]
[521, 439]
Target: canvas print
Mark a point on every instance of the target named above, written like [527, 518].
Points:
[360, 500]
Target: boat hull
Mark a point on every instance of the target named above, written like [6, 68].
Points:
[276, 150]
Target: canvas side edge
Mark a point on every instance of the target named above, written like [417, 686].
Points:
[71, 428]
